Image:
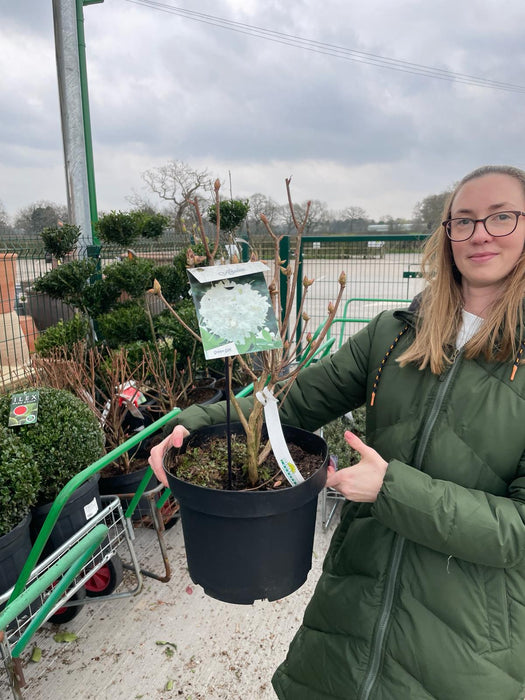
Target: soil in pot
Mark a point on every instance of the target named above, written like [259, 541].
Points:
[204, 395]
[207, 465]
[244, 545]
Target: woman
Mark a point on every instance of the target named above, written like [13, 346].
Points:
[423, 588]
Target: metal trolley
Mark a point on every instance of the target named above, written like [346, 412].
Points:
[45, 589]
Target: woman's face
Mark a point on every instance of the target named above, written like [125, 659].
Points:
[483, 260]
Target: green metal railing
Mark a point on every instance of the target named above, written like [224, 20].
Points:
[378, 267]
[64, 570]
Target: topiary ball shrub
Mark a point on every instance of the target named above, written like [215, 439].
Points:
[66, 334]
[128, 323]
[66, 438]
[117, 227]
[19, 479]
[60, 240]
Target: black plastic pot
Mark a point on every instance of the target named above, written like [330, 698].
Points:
[46, 312]
[15, 547]
[125, 484]
[243, 546]
[83, 504]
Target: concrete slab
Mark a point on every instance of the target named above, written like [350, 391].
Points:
[216, 651]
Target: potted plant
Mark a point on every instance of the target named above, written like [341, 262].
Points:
[45, 309]
[65, 438]
[19, 486]
[123, 228]
[254, 541]
[61, 240]
[126, 388]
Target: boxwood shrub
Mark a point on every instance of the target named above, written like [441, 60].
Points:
[66, 438]
[19, 479]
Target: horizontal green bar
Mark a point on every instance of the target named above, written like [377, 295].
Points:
[90, 543]
[349, 238]
[76, 555]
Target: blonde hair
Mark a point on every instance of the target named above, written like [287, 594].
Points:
[439, 317]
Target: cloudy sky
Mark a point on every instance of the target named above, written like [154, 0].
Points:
[286, 98]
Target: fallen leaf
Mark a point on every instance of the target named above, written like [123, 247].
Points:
[169, 685]
[65, 637]
[36, 654]
[162, 643]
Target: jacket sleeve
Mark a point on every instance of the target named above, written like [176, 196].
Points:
[322, 392]
[465, 523]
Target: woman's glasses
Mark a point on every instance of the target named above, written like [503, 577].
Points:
[503, 223]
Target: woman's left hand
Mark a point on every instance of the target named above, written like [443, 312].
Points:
[362, 481]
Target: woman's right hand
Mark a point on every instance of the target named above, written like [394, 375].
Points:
[156, 456]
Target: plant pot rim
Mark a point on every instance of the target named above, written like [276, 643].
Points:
[21, 524]
[238, 502]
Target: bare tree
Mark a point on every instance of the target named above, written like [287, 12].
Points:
[356, 218]
[5, 228]
[428, 211]
[261, 204]
[353, 213]
[179, 183]
[317, 218]
[39, 215]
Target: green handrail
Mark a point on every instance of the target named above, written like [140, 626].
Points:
[69, 565]
[352, 319]
[321, 351]
[68, 490]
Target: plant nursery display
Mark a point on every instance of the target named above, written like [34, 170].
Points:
[63, 437]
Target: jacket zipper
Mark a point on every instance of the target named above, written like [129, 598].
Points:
[399, 542]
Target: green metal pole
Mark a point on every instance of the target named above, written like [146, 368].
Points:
[86, 117]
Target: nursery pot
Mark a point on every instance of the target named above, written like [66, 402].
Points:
[15, 547]
[83, 504]
[243, 546]
[128, 484]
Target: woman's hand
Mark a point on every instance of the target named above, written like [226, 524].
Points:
[156, 455]
[361, 482]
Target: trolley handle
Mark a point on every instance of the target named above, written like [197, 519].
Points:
[68, 490]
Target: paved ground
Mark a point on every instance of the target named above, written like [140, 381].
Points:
[216, 651]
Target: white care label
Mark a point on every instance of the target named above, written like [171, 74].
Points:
[91, 509]
[276, 437]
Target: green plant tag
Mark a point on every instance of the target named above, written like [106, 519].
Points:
[24, 408]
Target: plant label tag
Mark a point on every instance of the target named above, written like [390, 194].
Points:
[234, 310]
[276, 437]
[91, 509]
[23, 409]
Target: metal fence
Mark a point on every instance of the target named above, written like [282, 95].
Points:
[382, 271]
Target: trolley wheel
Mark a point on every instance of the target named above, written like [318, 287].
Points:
[106, 579]
[66, 614]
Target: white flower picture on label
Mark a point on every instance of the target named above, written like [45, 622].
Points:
[235, 314]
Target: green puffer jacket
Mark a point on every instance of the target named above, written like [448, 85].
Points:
[422, 594]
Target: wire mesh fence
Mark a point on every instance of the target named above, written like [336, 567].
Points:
[381, 272]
